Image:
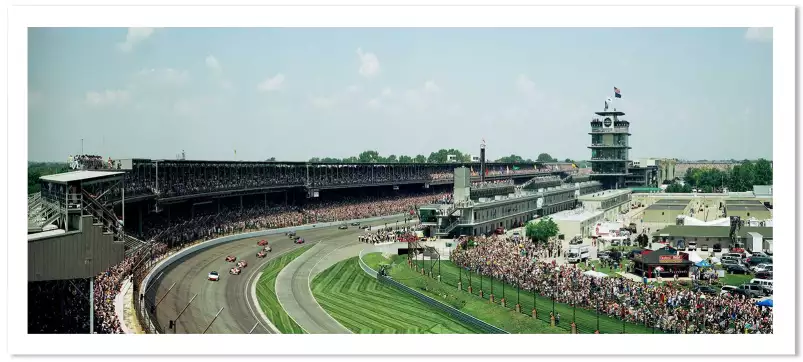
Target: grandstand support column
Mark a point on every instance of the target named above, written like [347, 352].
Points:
[140, 218]
[91, 306]
[123, 204]
[241, 202]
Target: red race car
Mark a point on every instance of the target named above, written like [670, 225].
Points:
[261, 254]
[300, 241]
[262, 242]
[235, 271]
[231, 258]
[242, 264]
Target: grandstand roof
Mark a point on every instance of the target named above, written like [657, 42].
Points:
[575, 215]
[604, 195]
[732, 208]
[67, 177]
[742, 202]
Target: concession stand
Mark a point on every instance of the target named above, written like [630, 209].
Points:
[666, 262]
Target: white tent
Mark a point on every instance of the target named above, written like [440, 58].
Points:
[693, 256]
[595, 274]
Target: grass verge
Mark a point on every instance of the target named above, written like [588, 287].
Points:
[587, 321]
[363, 305]
[266, 293]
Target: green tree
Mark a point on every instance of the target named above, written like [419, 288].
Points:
[391, 159]
[442, 155]
[569, 160]
[315, 159]
[369, 156]
[331, 160]
[676, 187]
[420, 159]
[405, 159]
[542, 230]
[272, 159]
[545, 157]
[511, 159]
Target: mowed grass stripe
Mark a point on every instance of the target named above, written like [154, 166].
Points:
[370, 299]
[585, 319]
[266, 293]
[363, 305]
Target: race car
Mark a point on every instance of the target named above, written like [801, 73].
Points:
[267, 248]
[343, 227]
[291, 233]
[261, 254]
[364, 227]
[235, 271]
[299, 241]
[242, 264]
[355, 223]
[294, 237]
[214, 276]
[231, 258]
[262, 242]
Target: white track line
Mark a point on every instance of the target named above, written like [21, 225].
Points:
[254, 299]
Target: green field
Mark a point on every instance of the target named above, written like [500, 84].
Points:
[363, 305]
[586, 320]
[266, 293]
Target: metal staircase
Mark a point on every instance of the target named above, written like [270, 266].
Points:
[109, 222]
[42, 212]
[448, 229]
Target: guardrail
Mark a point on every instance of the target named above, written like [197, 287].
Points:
[457, 314]
[161, 266]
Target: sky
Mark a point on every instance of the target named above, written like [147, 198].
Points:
[297, 93]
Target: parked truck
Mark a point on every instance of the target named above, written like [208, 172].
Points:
[579, 253]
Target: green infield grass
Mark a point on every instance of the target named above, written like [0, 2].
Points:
[587, 321]
[364, 305]
[266, 293]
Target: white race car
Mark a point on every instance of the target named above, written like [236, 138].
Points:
[214, 276]
[235, 271]
[242, 264]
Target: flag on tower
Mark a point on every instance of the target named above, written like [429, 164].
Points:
[617, 93]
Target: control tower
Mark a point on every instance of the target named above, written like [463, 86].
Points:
[610, 145]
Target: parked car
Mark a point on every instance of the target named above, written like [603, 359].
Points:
[737, 269]
[752, 290]
[717, 248]
[692, 246]
[761, 267]
[728, 289]
[755, 260]
[704, 247]
[764, 275]
[602, 255]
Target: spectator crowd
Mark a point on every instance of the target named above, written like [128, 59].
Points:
[62, 306]
[667, 307]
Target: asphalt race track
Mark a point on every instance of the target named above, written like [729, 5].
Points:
[188, 277]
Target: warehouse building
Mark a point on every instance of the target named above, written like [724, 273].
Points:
[612, 203]
[666, 211]
[578, 222]
[747, 209]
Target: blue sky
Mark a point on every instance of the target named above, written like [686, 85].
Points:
[692, 93]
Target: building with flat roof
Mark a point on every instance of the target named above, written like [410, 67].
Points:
[578, 221]
[746, 210]
[611, 202]
[666, 211]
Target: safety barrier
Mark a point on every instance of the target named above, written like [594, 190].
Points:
[463, 317]
[161, 266]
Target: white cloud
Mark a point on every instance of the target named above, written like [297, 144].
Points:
[107, 97]
[431, 87]
[134, 37]
[162, 77]
[374, 103]
[369, 63]
[387, 92]
[323, 102]
[271, 84]
[758, 34]
[212, 63]
[525, 85]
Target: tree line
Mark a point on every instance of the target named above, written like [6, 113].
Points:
[739, 178]
[39, 169]
[440, 156]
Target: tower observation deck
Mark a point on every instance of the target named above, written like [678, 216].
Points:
[610, 147]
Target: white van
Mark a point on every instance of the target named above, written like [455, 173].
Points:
[734, 255]
[762, 282]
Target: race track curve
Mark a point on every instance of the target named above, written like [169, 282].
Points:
[188, 277]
